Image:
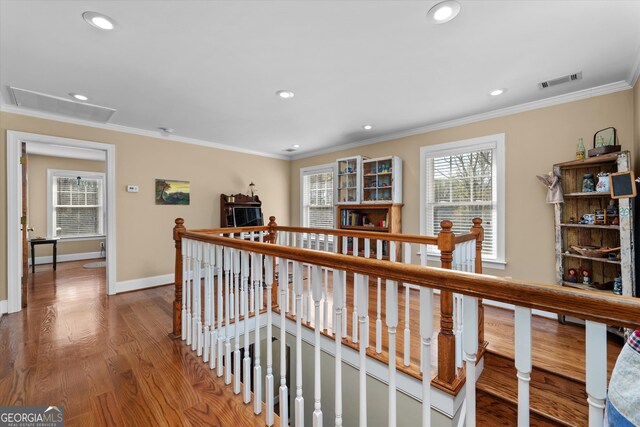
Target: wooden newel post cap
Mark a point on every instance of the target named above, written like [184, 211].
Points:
[446, 225]
[477, 222]
[179, 227]
[272, 221]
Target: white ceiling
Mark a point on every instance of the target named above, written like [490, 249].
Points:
[210, 69]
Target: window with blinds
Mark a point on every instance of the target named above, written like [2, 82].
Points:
[461, 183]
[317, 197]
[77, 208]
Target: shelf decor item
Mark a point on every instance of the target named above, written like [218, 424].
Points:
[604, 141]
[603, 183]
[593, 252]
[580, 151]
[588, 184]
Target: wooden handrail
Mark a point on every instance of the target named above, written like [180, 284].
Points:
[610, 309]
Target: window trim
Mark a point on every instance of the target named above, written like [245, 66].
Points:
[309, 170]
[52, 174]
[497, 142]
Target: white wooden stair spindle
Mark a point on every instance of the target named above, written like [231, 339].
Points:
[216, 259]
[243, 286]
[307, 299]
[189, 289]
[523, 363]
[269, 381]
[246, 361]
[392, 323]
[406, 253]
[338, 284]
[251, 291]
[228, 257]
[196, 343]
[232, 287]
[345, 250]
[257, 367]
[379, 303]
[283, 396]
[354, 315]
[362, 288]
[317, 297]
[283, 281]
[236, 325]
[458, 316]
[185, 289]
[220, 301]
[596, 367]
[207, 301]
[364, 332]
[470, 345]
[426, 332]
[299, 402]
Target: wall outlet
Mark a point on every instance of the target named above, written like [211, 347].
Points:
[132, 189]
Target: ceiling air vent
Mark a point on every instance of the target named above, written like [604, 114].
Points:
[60, 106]
[560, 80]
[290, 150]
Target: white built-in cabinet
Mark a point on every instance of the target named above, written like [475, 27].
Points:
[349, 180]
[382, 180]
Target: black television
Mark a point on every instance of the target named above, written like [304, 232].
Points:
[247, 216]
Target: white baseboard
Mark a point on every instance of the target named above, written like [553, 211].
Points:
[143, 283]
[540, 313]
[3, 307]
[67, 257]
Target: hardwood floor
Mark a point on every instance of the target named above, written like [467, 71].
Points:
[108, 360]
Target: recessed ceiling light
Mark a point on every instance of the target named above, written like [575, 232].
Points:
[79, 96]
[296, 145]
[367, 127]
[98, 20]
[444, 11]
[286, 94]
[497, 92]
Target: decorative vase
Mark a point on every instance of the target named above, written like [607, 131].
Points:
[588, 184]
[603, 184]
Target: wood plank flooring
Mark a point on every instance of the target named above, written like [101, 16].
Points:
[108, 360]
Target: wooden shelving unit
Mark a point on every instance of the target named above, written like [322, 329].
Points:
[382, 180]
[379, 217]
[569, 232]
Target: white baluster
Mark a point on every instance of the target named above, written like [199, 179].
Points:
[338, 285]
[257, 368]
[457, 309]
[354, 315]
[407, 306]
[268, 381]
[317, 296]
[220, 301]
[246, 361]
[232, 288]
[426, 331]
[236, 325]
[189, 289]
[345, 316]
[470, 347]
[260, 288]
[216, 261]
[299, 403]
[362, 289]
[252, 288]
[228, 258]
[196, 343]
[379, 303]
[283, 274]
[294, 237]
[364, 333]
[207, 301]
[596, 366]
[244, 281]
[286, 278]
[522, 359]
[392, 324]
[185, 289]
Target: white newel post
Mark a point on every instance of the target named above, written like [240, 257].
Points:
[426, 332]
[596, 352]
[379, 302]
[392, 324]
[470, 345]
[283, 396]
[338, 284]
[185, 289]
[236, 325]
[298, 286]
[317, 375]
[257, 367]
[246, 361]
[269, 396]
[523, 361]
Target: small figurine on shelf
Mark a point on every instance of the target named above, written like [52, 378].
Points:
[586, 277]
[573, 276]
[617, 285]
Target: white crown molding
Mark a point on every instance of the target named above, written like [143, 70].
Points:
[635, 70]
[53, 150]
[8, 108]
[528, 106]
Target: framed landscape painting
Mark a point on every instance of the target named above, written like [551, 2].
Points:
[171, 192]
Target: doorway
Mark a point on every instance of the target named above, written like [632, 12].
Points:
[14, 205]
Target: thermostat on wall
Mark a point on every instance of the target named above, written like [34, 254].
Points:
[132, 189]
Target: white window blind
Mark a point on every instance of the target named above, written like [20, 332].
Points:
[461, 183]
[77, 206]
[317, 198]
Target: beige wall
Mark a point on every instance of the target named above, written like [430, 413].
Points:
[535, 140]
[37, 203]
[144, 246]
